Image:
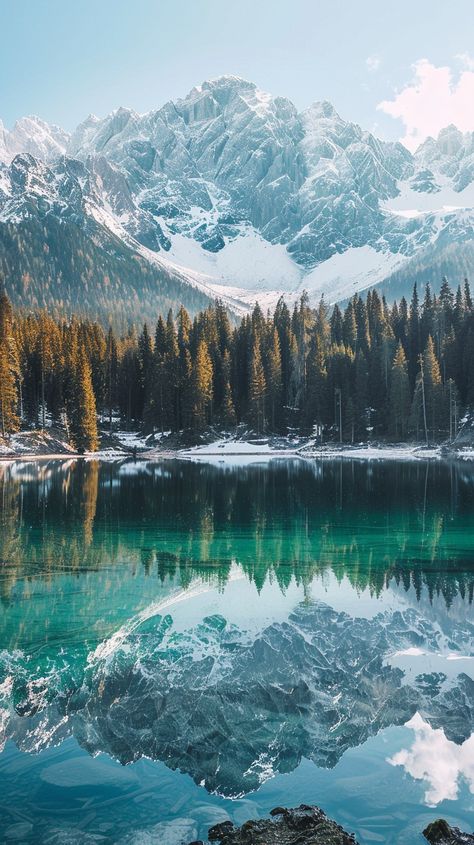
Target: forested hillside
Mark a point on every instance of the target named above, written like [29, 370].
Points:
[49, 263]
[368, 371]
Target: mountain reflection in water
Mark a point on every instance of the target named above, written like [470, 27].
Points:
[235, 623]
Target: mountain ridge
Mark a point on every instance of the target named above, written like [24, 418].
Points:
[247, 197]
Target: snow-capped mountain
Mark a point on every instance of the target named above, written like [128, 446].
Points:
[238, 192]
[32, 135]
[62, 244]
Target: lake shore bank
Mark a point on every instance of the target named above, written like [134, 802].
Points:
[40, 446]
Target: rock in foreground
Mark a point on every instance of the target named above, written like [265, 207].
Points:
[301, 826]
[440, 833]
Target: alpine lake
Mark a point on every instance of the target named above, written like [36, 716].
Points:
[183, 643]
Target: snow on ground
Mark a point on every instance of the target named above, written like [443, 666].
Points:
[13, 445]
[465, 454]
[123, 442]
[349, 272]
[131, 439]
[267, 299]
[250, 269]
[227, 450]
[371, 453]
[410, 203]
[33, 443]
[242, 452]
[235, 452]
[247, 262]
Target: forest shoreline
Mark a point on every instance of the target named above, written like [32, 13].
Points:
[227, 449]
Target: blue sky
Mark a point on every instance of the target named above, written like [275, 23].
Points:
[62, 59]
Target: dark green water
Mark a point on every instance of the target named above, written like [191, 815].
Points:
[183, 643]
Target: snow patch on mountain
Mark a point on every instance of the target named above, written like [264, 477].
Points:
[247, 261]
[412, 203]
[346, 273]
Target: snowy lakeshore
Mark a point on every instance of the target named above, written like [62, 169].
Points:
[38, 445]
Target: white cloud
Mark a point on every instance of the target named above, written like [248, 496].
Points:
[438, 761]
[465, 60]
[433, 100]
[373, 63]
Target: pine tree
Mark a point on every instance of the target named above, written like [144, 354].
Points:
[336, 324]
[9, 370]
[349, 326]
[282, 322]
[361, 408]
[184, 368]
[363, 331]
[201, 386]
[130, 395]
[111, 370]
[172, 374]
[257, 388]
[84, 418]
[433, 391]
[413, 340]
[273, 379]
[427, 321]
[467, 295]
[227, 413]
[145, 358]
[316, 410]
[399, 395]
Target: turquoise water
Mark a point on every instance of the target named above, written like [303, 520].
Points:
[184, 643]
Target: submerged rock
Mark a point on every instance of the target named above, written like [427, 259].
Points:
[441, 833]
[301, 826]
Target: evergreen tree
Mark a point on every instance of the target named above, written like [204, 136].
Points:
[336, 324]
[9, 369]
[273, 379]
[467, 295]
[399, 395]
[201, 380]
[145, 365]
[360, 410]
[433, 391]
[257, 388]
[349, 327]
[84, 431]
[228, 415]
[316, 410]
[282, 322]
[111, 371]
[172, 374]
[414, 336]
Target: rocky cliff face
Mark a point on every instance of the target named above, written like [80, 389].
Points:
[238, 189]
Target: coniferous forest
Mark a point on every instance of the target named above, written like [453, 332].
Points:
[363, 372]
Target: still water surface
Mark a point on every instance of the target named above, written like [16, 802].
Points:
[184, 643]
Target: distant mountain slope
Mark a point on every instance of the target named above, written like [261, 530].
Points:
[234, 191]
[62, 248]
[455, 261]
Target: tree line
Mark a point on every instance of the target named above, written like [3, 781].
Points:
[365, 371]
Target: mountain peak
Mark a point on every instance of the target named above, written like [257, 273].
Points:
[322, 109]
[228, 81]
